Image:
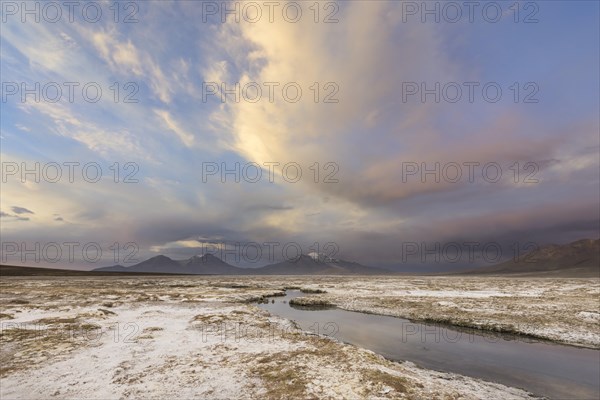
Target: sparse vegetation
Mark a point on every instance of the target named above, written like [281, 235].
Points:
[381, 379]
[18, 301]
[312, 291]
[311, 302]
[287, 364]
[153, 329]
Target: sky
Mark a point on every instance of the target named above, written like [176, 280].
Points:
[131, 118]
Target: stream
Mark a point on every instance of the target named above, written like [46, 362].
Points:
[543, 368]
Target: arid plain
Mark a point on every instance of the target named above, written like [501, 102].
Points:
[131, 337]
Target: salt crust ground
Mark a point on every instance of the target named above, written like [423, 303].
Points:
[180, 337]
[561, 310]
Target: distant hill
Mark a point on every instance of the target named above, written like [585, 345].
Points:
[209, 264]
[577, 259]
[205, 265]
[15, 270]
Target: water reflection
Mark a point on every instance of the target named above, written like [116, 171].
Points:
[547, 369]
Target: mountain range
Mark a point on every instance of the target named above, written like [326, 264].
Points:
[580, 259]
[576, 259]
[208, 264]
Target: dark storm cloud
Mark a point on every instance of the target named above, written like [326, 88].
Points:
[14, 217]
[266, 207]
[21, 210]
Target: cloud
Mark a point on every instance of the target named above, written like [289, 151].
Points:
[126, 59]
[21, 210]
[104, 141]
[369, 133]
[168, 121]
[368, 119]
[22, 127]
[266, 207]
[13, 217]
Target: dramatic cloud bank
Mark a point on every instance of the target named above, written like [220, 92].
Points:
[382, 165]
